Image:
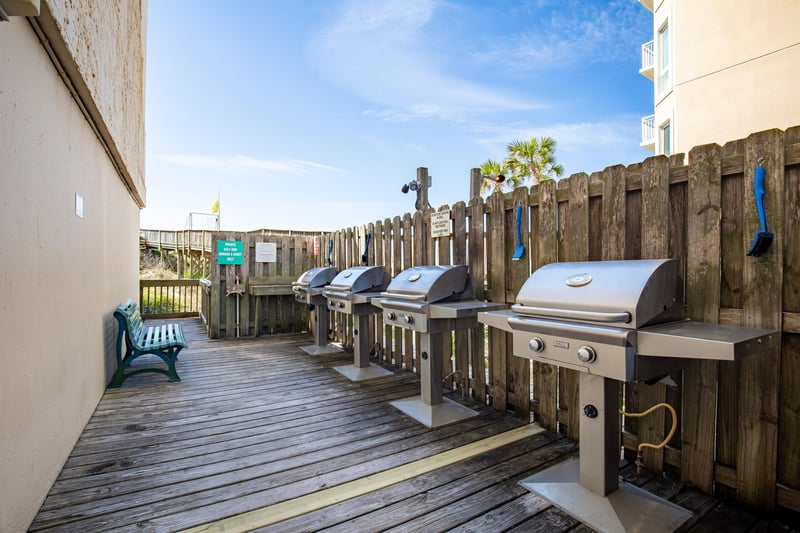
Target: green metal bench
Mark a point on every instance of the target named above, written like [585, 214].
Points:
[164, 342]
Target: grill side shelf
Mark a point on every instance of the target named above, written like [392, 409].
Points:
[700, 340]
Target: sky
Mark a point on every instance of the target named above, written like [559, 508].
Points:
[312, 114]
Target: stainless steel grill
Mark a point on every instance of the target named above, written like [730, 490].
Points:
[308, 290]
[353, 289]
[612, 320]
[432, 300]
[351, 292]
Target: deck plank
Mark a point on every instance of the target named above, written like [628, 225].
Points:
[427, 493]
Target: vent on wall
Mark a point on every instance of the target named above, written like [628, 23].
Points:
[18, 8]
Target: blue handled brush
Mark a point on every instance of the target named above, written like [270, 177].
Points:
[762, 239]
[520, 250]
[330, 251]
[364, 258]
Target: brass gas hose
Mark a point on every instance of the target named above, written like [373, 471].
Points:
[642, 445]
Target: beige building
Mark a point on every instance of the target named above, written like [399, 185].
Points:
[71, 187]
[721, 70]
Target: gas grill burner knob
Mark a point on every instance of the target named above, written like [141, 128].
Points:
[391, 315]
[587, 354]
[408, 319]
[341, 305]
[536, 344]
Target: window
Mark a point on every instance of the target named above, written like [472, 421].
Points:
[664, 138]
[663, 58]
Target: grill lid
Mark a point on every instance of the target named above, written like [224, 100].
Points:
[359, 279]
[315, 277]
[432, 284]
[628, 294]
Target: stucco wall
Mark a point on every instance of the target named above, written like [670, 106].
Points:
[101, 47]
[61, 275]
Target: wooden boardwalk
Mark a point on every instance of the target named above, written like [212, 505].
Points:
[258, 432]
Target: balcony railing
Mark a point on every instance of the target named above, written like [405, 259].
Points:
[649, 132]
[648, 60]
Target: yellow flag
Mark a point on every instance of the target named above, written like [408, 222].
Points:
[215, 207]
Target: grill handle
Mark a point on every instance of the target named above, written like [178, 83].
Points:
[401, 296]
[571, 330]
[332, 293]
[572, 314]
[410, 307]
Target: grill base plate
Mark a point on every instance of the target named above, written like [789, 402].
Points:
[354, 373]
[628, 508]
[436, 415]
[315, 349]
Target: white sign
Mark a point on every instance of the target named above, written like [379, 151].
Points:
[266, 252]
[440, 224]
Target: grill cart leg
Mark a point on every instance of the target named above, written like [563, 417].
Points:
[362, 369]
[319, 327]
[590, 489]
[431, 408]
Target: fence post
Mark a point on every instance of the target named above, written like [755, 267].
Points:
[762, 290]
[498, 340]
[544, 249]
[702, 300]
[475, 182]
[476, 256]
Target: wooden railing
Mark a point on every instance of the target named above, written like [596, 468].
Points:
[205, 301]
[169, 298]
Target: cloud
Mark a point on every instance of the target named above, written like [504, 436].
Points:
[381, 51]
[241, 162]
[572, 32]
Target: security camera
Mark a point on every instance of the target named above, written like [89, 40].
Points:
[404, 188]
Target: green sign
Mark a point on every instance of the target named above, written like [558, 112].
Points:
[230, 252]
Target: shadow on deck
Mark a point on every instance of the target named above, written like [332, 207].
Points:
[268, 437]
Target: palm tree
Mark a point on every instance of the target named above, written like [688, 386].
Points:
[491, 167]
[534, 159]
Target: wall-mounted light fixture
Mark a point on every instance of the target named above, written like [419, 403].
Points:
[419, 185]
[497, 178]
[412, 185]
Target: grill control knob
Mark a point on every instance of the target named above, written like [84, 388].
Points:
[587, 354]
[408, 319]
[390, 315]
[536, 344]
[341, 304]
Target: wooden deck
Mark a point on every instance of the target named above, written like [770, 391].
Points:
[259, 431]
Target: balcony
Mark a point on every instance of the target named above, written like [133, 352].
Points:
[648, 60]
[649, 133]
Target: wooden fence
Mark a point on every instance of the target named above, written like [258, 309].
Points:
[739, 420]
[276, 312]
